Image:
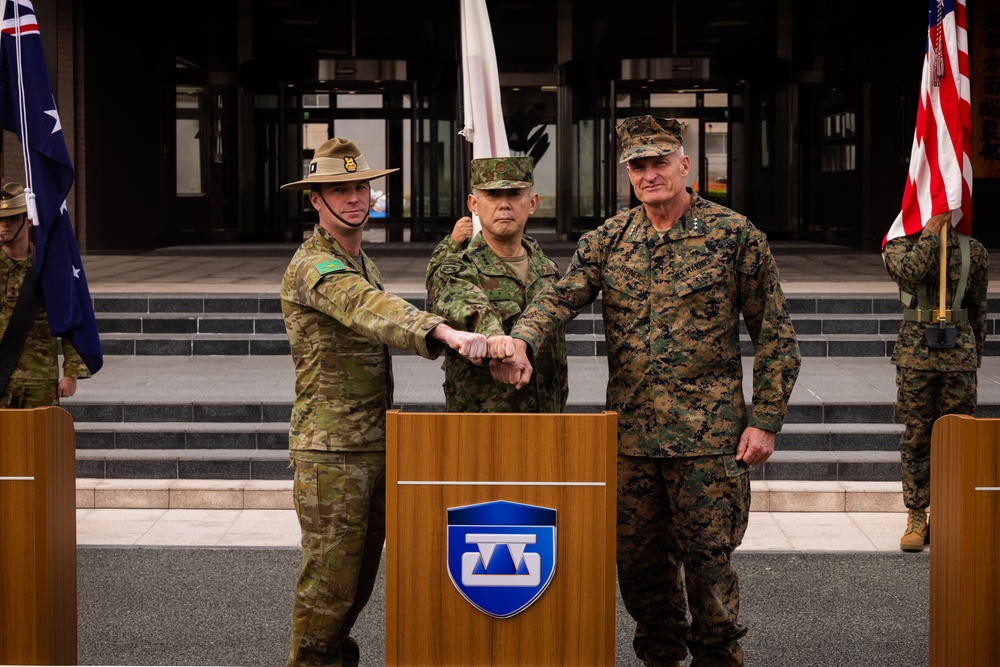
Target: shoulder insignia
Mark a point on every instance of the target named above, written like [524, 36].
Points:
[330, 266]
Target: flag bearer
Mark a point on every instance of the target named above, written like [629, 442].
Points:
[935, 371]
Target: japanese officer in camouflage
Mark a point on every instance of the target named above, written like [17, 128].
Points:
[933, 382]
[341, 325]
[485, 286]
[35, 380]
[675, 274]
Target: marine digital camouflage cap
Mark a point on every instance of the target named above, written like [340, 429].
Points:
[502, 173]
[646, 136]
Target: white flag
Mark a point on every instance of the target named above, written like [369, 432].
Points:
[484, 127]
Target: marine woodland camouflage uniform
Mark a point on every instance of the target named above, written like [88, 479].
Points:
[931, 383]
[477, 291]
[34, 382]
[341, 326]
[672, 305]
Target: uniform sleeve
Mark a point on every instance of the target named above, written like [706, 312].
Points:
[378, 315]
[776, 349]
[975, 298]
[448, 248]
[560, 302]
[73, 366]
[454, 291]
[909, 262]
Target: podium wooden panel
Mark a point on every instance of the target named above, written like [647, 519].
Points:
[37, 537]
[437, 461]
[965, 542]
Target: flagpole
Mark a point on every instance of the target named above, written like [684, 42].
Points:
[943, 282]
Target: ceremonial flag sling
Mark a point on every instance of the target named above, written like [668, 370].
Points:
[483, 116]
[27, 108]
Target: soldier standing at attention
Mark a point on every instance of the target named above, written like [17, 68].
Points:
[934, 381]
[485, 286]
[341, 326]
[676, 273]
[34, 381]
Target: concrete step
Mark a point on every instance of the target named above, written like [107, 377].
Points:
[239, 325]
[220, 303]
[248, 435]
[230, 464]
[766, 496]
[577, 345]
[243, 463]
[800, 415]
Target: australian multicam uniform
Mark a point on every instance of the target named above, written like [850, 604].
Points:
[35, 380]
[931, 383]
[671, 306]
[341, 326]
[477, 291]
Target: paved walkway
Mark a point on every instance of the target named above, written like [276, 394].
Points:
[768, 531]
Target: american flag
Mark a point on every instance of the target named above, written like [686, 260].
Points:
[28, 109]
[940, 176]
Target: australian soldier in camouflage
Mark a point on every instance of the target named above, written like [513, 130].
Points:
[675, 275]
[485, 286]
[934, 381]
[341, 327]
[35, 380]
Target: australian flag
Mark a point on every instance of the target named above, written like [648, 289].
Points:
[28, 109]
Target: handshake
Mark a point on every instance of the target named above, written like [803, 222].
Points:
[508, 356]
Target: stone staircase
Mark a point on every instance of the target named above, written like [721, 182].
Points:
[843, 451]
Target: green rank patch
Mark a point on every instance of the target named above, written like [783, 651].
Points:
[330, 266]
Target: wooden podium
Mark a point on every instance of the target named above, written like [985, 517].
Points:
[965, 542]
[442, 463]
[37, 537]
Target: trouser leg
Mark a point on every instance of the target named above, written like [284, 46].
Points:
[341, 508]
[650, 575]
[921, 398]
[712, 503]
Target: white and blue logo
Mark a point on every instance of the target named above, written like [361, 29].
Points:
[501, 555]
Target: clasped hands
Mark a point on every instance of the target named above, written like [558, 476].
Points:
[508, 356]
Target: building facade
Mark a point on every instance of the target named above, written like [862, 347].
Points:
[183, 121]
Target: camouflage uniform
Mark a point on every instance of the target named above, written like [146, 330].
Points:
[672, 306]
[931, 383]
[476, 291]
[34, 382]
[341, 326]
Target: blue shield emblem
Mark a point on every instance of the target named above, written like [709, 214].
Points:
[501, 555]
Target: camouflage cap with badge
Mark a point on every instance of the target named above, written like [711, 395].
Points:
[647, 136]
[12, 200]
[337, 161]
[503, 173]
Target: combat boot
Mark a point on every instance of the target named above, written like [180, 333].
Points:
[917, 531]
